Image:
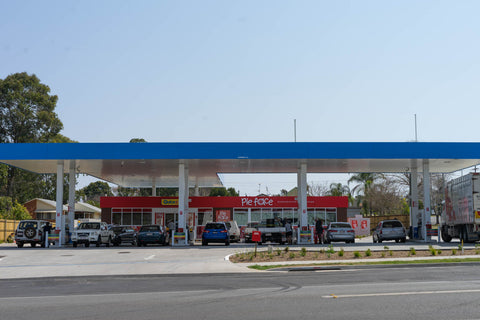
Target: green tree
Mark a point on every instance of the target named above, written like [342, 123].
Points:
[137, 140]
[364, 182]
[27, 110]
[223, 192]
[94, 191]
[27, 116]
[12, 210]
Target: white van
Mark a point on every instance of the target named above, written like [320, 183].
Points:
[234, 231]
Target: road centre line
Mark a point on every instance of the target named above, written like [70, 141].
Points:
[380, 294]
[150, 257]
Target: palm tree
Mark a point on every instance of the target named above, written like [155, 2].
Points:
[364, 183]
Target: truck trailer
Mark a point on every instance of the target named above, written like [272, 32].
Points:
[461, 211]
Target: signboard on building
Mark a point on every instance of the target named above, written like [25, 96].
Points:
[360, 224]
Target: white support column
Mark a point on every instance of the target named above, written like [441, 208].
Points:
[154, 188]
[426, 199]
[59, 200]
[414, 198]
[71, 197]
[302, 195]
[182, 197]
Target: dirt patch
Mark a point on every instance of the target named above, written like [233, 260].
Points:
[287, 255]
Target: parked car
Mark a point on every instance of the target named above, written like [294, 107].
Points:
[339, 231]
[152, 234]
[234, 231]
[30, 231]
[251, 226]
[123, 234]
[96, 233]
[389, 230]
[215, 232]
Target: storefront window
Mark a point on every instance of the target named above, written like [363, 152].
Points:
[267, 214]
[147, 218]
[204, 216]
[127, 217]
[137, 217]
[241, 216]
[331, 215]
[256, 215]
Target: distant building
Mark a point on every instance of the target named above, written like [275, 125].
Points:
[46, 210]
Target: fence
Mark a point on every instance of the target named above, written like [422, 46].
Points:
[7, 227]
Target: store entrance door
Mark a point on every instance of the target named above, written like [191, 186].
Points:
[164, 217]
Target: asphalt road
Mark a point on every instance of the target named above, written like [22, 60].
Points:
[408, 292]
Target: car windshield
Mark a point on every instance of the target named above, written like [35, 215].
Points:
[150, 229]
[215, 226]
[340, 225]
[84, 226]
[392, 224]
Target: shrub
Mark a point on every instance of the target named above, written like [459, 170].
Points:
[412, 251]
[287, 249]
[278, 252]
[341, 252]
[292, 255]
[303, 252]
[390, 252]
[330, 249]
[383, 254]
[454, 252]
[433, 252]
[368, 253]
[356, 254]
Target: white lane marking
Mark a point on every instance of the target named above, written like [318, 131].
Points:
[397, 293]
[150, 257]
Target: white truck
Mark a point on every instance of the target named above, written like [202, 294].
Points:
[461, 212]
[92, 232]
[272, 230]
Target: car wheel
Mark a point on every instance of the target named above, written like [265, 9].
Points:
[87, 244]
[33, 244]
[380, 240]
[30, 232]
[139, 244]
[204, 243]
[397, 240]
[20, 244]
[74, 244]
[109, 240]
[227, 242]
[404, 240]
[374, 239]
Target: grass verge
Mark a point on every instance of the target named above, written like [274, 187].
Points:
[447, 260]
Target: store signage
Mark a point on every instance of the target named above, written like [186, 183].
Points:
[169, 202]
[257, 202]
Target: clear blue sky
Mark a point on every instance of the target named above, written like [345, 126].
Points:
[244, 70]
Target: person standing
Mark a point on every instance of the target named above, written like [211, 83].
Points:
[319, 230]
[47, 229]
[289, 232]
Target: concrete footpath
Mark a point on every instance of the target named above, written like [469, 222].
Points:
[67, 262]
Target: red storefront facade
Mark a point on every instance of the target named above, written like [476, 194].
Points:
[138, 211]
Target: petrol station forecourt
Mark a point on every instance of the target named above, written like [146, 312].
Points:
[197, 165]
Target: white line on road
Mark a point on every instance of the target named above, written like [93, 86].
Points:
[150, 257]
[334, 296]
